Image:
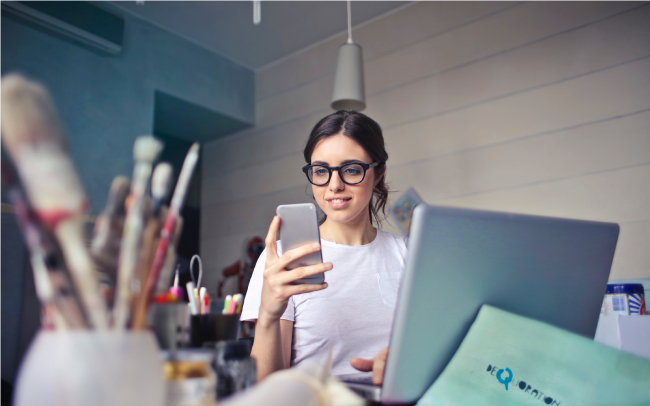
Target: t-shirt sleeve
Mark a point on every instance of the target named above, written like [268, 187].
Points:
[251, 309]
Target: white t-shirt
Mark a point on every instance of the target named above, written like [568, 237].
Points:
[354, 313]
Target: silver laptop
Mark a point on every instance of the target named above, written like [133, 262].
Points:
[549, 269]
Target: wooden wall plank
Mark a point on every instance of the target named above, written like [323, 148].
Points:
[536, 107]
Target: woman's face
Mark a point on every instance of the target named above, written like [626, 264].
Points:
[342, 202]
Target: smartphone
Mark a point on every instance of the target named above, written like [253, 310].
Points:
[299, 226]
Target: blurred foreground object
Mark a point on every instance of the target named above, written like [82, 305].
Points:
[98, 368]
[625, 333]
[190, 378]
[107, 239]
[305, 384]
[506, 359]
[145, 152]
[34, 138]
[236, 369]
[54, 288]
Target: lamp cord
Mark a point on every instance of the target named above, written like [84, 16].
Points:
[349, 25]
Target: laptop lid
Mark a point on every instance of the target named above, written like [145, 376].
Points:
[550, 269]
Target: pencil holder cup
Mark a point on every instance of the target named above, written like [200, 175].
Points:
[213, 327]
[98, 368]
[171, 324]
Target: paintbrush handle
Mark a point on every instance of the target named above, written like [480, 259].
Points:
[53, 286]
[159, 258]
[130, 248]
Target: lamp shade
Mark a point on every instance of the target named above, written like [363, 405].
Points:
[349, 92]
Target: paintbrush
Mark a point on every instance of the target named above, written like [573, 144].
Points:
[53, 285]
[145, 152]
[160, 186]
[34, 138]
[171, 258]
[105, 246]
[173, 214]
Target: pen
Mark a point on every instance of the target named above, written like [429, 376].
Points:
[226, 304]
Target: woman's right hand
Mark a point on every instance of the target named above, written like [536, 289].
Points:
[277, 287]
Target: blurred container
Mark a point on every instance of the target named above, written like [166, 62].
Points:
[171, 323]
[624, 299]
[98, 368]
[191, 381]
[236, 369]
[213, 327]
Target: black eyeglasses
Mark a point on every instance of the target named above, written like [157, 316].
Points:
[352, 173]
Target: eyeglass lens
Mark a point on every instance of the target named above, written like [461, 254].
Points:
[353, 173]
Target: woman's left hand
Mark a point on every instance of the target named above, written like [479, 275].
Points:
[376, 365]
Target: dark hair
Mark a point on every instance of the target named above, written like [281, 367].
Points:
[365, 132]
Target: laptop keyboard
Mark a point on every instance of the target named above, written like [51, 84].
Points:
[357, 378]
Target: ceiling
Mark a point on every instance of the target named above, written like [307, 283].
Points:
[227, 28]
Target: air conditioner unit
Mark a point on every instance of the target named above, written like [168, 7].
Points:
[77, 21]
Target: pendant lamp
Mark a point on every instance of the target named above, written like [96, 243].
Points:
[349, 92]
[257, 12]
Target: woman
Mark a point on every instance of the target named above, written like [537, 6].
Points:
[352, 311]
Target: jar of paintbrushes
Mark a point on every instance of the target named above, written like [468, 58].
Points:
[93, 348]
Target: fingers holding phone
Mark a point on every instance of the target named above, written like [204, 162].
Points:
[304, 273]
[280, 282]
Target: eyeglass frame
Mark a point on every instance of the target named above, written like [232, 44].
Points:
[330, 169]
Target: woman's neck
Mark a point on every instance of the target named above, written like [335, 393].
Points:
[354, 232]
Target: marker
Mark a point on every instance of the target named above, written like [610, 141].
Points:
[232, 306]
[205, 301]
[239, 298]
[190, 294]
[226, 304]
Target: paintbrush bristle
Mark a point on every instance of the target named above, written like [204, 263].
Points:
[146, 148]
[33, 136]
[160, 180]
[28, 114]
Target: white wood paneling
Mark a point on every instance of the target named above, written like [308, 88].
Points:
[618, 196]
[564, 154]
[604, 94]
[530, 24]
[557, 58]
[532, 21]
[553, 103]
[417, 21]
[598, 96]
[632, 258]
[250, 213]
[536, 107]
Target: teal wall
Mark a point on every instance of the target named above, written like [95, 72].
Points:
[107, 101]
